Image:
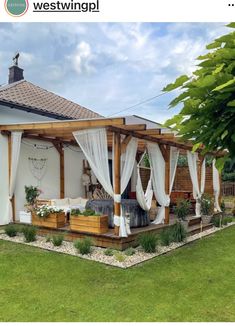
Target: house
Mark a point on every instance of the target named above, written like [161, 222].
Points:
[23, 102]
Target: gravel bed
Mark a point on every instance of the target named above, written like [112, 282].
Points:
[98, 253]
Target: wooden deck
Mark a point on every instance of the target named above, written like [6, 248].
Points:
[109, 240]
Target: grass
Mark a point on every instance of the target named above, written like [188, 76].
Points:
[194, 283]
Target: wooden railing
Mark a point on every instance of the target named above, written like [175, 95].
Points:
[228, 188]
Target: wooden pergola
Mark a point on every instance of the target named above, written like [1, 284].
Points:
[61, 132]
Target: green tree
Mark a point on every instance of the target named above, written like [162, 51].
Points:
[208, 98]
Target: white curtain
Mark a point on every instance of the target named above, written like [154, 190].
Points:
[197, 192]
[94, 145]
[174, 155]
[157, 164]
[144, 198]
[15, 154]
[216, 186]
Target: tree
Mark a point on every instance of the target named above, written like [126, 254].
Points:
[208, 98]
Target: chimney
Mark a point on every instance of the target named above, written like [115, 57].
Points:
[15, 72]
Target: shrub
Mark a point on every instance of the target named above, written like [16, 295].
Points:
[57, 240]
[166, 236]
[45, 210]
[217, 220]
[129, 251]
[84, 246]
[109, 252]
[182, 209]
[90, 212]
[222, 206]
[120, 257]
[178, 232]
[148, 242]
[29, 233]
[11, 230]
[48, 238]
[207, 204]
[75, 211]
[230, 219]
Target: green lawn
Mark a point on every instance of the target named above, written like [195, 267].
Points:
[194, 283]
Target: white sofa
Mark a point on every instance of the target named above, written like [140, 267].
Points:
[69, 203]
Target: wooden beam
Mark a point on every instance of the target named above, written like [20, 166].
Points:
[151, 132]
[60, 125]
[117, 176]
[60, 149]
[9, 173]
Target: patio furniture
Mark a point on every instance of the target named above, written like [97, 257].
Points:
[138, 217]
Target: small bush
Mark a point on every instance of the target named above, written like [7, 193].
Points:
[57, 240]
[89, 212]
[109, 252]
[166, 236]
[83, 246]
[230, 219]
[148, 242]
[120, 257]
[48, 238]
[29, 233]
[178, 232]
[217, 221]
[129, 252]
[207, 204]
[11, 230]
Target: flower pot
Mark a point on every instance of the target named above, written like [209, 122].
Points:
[53, 220]
[90, 224]
[206, 219]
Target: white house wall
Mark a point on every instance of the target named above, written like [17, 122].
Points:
[3, 175]
[8, 115]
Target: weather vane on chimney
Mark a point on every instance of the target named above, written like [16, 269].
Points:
[15, 59]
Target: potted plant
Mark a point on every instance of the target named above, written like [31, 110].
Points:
[88, 221]
[182, 209]
[31, 194]
[207, 207]
[48, 216]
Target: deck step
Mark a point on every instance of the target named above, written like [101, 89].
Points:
[194, 229]
[194, 220]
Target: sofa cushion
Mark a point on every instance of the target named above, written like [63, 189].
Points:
[60, 202]
[77, 201]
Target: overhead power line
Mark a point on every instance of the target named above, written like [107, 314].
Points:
[139, 103]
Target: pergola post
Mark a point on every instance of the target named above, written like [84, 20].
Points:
[117, 176]
[9, 173]
[60, 149]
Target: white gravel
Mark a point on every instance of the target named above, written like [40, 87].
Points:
[98, 253]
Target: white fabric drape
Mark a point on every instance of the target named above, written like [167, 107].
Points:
[216, 186]
[144, 199]
[174, 155]
[15, 154]
[192, 163]
[94, 145]
[157, 164]
[197, 192]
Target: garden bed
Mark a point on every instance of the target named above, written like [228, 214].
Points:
[98, 254]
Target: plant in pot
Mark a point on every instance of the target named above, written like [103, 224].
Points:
[48, 216]
[31, 195]
[207, 207]
[182, 210]
[88, 221]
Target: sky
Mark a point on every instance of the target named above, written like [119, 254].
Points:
[108, 67]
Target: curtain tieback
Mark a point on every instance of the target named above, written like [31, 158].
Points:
[117, 198]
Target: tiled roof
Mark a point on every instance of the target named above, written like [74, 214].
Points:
[26, 94]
